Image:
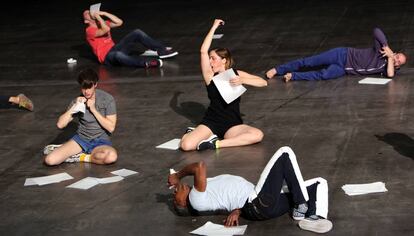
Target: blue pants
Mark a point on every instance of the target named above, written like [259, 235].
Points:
[120, 54]
[334, 61]
[4, 102]
[88, 146]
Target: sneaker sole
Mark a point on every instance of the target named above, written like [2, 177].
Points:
[169, 55]
[318, 226]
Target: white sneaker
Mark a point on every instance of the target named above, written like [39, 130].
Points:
[49, 148]
[73, 159]
[316, 225]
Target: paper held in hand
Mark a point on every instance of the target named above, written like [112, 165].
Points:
[79, 107]
[228, 93]
[94, 8]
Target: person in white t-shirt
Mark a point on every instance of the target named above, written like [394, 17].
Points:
[280, 190]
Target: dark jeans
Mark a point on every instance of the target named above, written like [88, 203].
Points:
[4, 102]
[270, 202]
[120, 54]
[334, 61]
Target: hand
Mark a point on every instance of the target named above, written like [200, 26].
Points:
[173, 180]
[90, 103]
[387, 52]
[81, 99]
[271, 73]
[233, 218]
[217, 23]
[235, 81]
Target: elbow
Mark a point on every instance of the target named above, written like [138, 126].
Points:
[201, 165]
[111, 129]
[264, 84]
[60, 125]
[391, 75]
[120, 23]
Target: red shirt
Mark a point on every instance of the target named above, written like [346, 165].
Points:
[100, 45]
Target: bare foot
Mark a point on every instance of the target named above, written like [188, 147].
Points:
[287, 77]
[271, 73]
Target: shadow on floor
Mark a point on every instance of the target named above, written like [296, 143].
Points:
[66, 134]
[402, 143]
[193, 111]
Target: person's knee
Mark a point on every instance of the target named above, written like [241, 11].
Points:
[111, 157]
[139, 32]
[258, 135]
[51, 160]
[186, 145]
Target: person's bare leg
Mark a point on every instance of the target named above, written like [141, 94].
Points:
[63, 152]
[104, 155]
[240, 135]
[190, 140]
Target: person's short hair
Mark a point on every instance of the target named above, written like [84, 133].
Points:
[224, 53]
[185, 211]
[88, 78]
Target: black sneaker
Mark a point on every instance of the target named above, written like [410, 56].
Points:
[209, 143]
[153, 63]
[167, 53]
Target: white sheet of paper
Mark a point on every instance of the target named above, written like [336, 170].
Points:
[215, 229]
[94, 8]
[124, 172]
[85, 183]
[79, 107]
[370, 80]
[49, 179]
[173, 144]
[359, 189]
[150, 53]
[217, 36]
[228, 92]
[109, 180]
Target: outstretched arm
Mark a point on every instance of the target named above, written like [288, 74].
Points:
[248, 79]
[198, 170]
[205, 59]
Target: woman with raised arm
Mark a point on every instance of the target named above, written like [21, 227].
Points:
[222, 125]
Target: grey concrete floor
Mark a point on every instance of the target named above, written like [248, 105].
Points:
[339, 129]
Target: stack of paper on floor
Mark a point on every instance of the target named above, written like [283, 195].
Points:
[370, 80]
[358, 189]
[228, 92]
[89, 182]
[124, 172]
[49, 179]
[173, 144]
[215, 229]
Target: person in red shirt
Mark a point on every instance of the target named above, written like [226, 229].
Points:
[98, 35]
